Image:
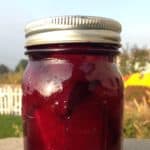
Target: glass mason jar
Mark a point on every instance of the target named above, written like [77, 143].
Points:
[72, 89]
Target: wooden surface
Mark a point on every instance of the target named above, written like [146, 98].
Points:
[129, 144]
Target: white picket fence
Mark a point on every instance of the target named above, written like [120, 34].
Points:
[10, 99]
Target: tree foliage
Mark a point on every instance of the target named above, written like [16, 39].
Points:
[4, 69]
[134, 60]
[21, 65]
[12, 77]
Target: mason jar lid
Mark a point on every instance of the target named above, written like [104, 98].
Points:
[73, 29]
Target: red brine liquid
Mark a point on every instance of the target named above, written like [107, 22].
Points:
[72, 102]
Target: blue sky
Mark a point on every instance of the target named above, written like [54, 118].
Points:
[134, 15]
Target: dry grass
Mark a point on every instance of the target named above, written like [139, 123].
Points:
[11, 78]
[137, 117]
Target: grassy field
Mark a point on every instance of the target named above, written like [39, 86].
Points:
[10, 126]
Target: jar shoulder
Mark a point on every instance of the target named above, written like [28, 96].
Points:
[54, 72]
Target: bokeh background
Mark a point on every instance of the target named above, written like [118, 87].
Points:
[134, 60]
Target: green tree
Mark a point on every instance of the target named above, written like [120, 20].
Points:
[21, 65]
[124, 61]
[4, 69]
[139, 59]
[133, 60]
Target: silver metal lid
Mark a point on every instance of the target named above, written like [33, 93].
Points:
[73, 29]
